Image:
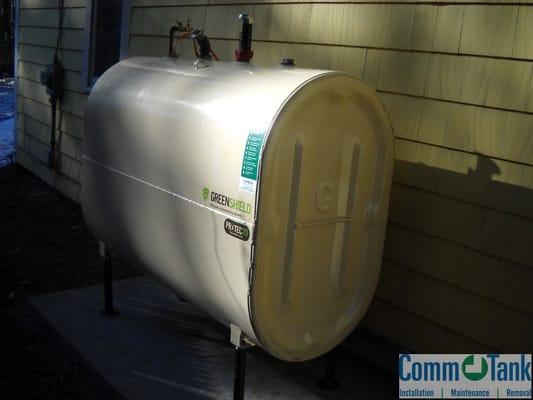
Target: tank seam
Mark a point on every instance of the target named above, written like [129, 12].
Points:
[162, 189]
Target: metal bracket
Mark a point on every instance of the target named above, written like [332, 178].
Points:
[241, 344]
[238, 339]
[103, 250]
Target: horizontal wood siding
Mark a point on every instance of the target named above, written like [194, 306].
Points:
[457, 80]
[37, 40]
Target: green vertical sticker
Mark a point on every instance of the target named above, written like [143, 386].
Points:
[250, 160]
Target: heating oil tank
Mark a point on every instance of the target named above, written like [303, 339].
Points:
[258, 194]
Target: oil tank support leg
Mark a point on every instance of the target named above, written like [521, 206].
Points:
[240, 373]
[241, 345]
[328, 381]
[108, 310]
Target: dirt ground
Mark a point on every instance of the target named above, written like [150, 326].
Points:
[44, 247]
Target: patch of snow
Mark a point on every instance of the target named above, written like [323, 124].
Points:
[7, 112]
[7, 141]
[7, 98]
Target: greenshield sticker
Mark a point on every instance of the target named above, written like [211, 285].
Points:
[226, 202]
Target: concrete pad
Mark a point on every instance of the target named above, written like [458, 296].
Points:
[162, 348]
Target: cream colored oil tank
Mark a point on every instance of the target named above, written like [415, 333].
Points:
[258, 194]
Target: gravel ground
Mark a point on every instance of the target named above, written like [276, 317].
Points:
[45, 247]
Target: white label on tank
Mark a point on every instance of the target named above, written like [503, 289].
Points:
[250, 161]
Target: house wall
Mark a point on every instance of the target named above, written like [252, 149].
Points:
[38, 20]
[457, 79]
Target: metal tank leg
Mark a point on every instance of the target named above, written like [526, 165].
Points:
[241, 345]
[328, 381]
[108, 310]
[239, 374]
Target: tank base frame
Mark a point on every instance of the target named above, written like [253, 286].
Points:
[241, 343]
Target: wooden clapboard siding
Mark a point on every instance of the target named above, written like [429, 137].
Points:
[457, 80]
[38, 21]
[41, 4]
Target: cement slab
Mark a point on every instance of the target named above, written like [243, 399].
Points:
[162, 348]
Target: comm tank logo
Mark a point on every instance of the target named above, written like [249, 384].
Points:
[474, 375]
[460, 376]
